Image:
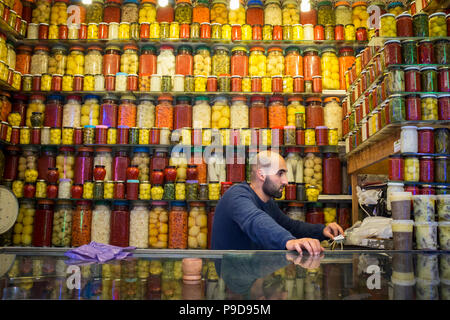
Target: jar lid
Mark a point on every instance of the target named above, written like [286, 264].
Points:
[165, 97]
[446, 95]
[387, 15]
[254, 3]
[395, 184]
[426, 128]
[120, 203]
[342, 3]
[359, 3]
[239, 48]
[53, 97]
[293, 150]
[45, 48]
[428, 96]
[227, 183]
[392, 41]
[275, 49]
[329, 99]
[276, 98]
[412, 68]
[76, 48]
[428, 68]
[257, 98]
[324, 3]
[83, 203]
[292, 49]
[221, 48]
[73, 97]
[179, 203]
[132, 181]
[437, 14]
[409, 127]
[257, 49]
[404, 15]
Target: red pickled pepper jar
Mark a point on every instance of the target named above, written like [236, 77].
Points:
[392, 52]
[332, 178]
[111, 12]
[239, 61]
[159, 160]
[258, 112]
[111, 60]
[427, 189]
[192, 172]
[425, 138]
[170, 174]
[396, 168]
[147, 60]
[413, 108]
[46, 160]
[84, 162]
[164, 112]
[311, 63]
[314, 112]
[157, 177]
[120, 164]
[126, 112]
[426, 169]
[182, 113]
[315, 214]
[165, 13]
[413, 80]
[120, 224]
[291, 191]
[236, 169]
[444, 79]
[184, 61]
[255, 13]
[12, 156]
[404, 25]
[108, 111]
[426, 52]
[444, 107]
[43, 224]
[321, 136]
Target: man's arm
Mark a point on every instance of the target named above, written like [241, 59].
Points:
[258, 225]
[300, 229]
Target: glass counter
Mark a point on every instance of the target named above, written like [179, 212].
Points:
[46, 274]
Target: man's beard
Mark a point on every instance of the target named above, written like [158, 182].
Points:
[271, 189]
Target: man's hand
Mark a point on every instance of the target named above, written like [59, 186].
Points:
[311, 245]
[332, 230]
[306, 262]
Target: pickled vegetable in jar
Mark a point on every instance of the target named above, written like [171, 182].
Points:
[158, 225]
[184, 63]
[314, 113]
[219, 12]
[257, 62]
[311, 63]
[75, 61]
[239, 62]
[202, 61]
[164, 112]
[275, 62]
[81, 224]
[147, 11]
[237, 15]
[220, 61]
[41, 12]
[90, 111]
[412, 170]
[272, 13]
[429, 107]
[126, 115]
[39, 60]
[388, 25]
[437, 25]
[72, 112]
[277, 112]
[330, 69]
[220, 115]
[359, 14]
[239, 117]
[404, 25]
[420, 24]
[166, 61]
[343, 13]
[129, 60]
[183, 11]
[325, 14]
[332, 114]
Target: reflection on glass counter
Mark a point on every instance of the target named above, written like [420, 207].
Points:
[362, 275]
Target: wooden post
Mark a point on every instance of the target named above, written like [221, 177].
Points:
[355, 206]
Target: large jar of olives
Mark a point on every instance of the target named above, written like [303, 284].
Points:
[183, 11]
[94, 12]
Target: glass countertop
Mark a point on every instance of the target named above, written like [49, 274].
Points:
[227, 275]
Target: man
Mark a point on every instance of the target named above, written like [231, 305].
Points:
[247, 218]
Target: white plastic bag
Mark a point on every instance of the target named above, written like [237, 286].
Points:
[370, 227]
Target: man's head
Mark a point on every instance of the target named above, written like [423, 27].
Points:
[269, 173]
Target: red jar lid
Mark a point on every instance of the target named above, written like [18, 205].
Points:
[85, 149]
[293, 149]
[227, 183]
[238, 98]
[257, 49]
[83, 202]
[275, 49]
[296, 98]
[68, 149]
[165, 97]
[257, 98]
[311, 99]
[198, 204]
[25, 48]
[12, 148]
[130, 46]
[77, 48]
[114, 1]
[276, 98]
[41, 48]
[37, 97]
[94, 48]
[103, 149]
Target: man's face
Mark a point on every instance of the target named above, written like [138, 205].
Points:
[273, 184]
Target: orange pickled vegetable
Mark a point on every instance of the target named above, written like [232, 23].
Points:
[277, 115]
[201, 168]
[200, 14]
[164, 116]
[81, 226]
[127, 115]
[178, 228]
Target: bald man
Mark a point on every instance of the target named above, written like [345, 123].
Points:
[247, 217]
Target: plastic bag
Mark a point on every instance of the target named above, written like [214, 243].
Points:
[370, 227]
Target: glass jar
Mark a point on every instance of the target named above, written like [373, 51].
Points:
[202, 61]
[396, 168]
[272, 13]
[277, 112]
[111, 60]
[255, 13]
[441, 168]
[43, 220]
[103, 157]
[120, 164]
[332, 114]
[360, 14]
[437, 25]
[239, 61]
[184, 63]
[139, 225]
[197, 226]
[182, 113]
[294, 164]
[412, 171]
[325, 14]
[178, 226]
[23, 59]
[409, 139]
[129, 59]
[429, 107]
[108, 111]
[101, 223]
[219, 12]
[62, 224]
[330, 69]
[312, 172]
[41, 12]
[75, 61]
[158, 228]
[295, 106]
[257, 62]
[275, 62]
[443, 81]
[429, 79]
[94, 12]
[72, 112]
[404, 25]
[200, 12]
[392, 52]
[39, 60]
[441, 141]
[420, 24]
[53, 112]
[220, 61]
[258, 112]
[343, 13]
[201, 113]
[120, 224]
[166, 61]
[332, 174]
[397, 108]
[442, 51]
[147, 60]
[314, 113]
[164, 112]
[294, 62]
[183, 11]
[426, 169]
[220, 116]
[81, 224]
[83, 165]
[65, 162]
[239, 117]
[311, 61]
[126, 115]
[46, 161]
[425, 140]
[388, 25]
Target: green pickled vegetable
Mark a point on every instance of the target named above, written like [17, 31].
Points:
[192, 191]
[442, 140]
[397, 109]
[169, 191]
[183, 14]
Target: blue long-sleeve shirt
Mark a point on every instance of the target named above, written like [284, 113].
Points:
[242, 221]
